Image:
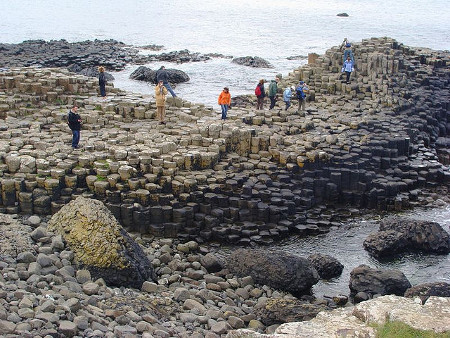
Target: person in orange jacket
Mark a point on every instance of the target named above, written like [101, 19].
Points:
[224, 101]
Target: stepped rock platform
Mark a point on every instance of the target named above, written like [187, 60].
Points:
[257, 176]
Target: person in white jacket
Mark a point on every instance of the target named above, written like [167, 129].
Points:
[348, 68]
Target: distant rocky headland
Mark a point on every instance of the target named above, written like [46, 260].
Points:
[379, 143]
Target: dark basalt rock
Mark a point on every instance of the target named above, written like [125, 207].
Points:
[373, 281]
[426, 290]
[277, 269]
[143, 73]
[328, 267]
[252, 61]
[398, 235]
[344, 15]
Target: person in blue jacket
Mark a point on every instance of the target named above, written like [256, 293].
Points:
[348, 68]
[348, 52]
[287, 94]
[163, 75]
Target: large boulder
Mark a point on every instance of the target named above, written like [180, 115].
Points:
[100, 244]
[282, 310]
[398, 235]
[382, 282]
[426, 290]
[328, 267]
[143, 73]
[252, 61]
[276, 269]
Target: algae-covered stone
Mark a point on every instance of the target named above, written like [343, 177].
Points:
[100, 244]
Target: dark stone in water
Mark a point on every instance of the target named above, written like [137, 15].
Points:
[426, 290]
[342, 15]
[328, 267]
[143, 73]
[252, 61]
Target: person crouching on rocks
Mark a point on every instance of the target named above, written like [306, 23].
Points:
[224, 101]
[102, 81]
[287, 94]
[160, 95]
[74, 122]
[348, 68]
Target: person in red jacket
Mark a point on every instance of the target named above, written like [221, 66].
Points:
[224, 101]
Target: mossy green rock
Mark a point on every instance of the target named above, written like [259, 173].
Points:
[100, 244]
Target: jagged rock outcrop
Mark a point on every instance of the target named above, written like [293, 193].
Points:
[143, 73]
[326, 266]
[100, 244]
[374, 281]
[358, 321]
[252, 61]
[397, 235]
[281, 310]
[427, 290]
[277, 269]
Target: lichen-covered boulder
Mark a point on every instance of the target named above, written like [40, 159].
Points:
[100, 244]
[276, 269]
[382, 282]
[398, 235]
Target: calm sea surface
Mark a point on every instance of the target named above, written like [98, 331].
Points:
[273, 30]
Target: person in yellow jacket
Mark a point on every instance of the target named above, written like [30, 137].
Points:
[224, 101]
[160, 95]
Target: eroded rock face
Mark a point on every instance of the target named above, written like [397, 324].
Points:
[426, 290]
[143, 73]
[100, 244]
[382, 282]
[278, 270]
[281, 310]
[398, 235]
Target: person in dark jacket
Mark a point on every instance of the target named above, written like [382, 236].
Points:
[162, 75]
[102, 81]
[261, 96]
[273, 88]
[74, 121]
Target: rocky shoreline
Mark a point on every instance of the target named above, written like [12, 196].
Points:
[250, 180]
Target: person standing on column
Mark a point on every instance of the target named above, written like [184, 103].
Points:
[348, 68]
[260, 94]
[162, 75]
[160, 95]
[74, 122]
[102, 81]
[301, 91]
[224, 101]
[273, 88]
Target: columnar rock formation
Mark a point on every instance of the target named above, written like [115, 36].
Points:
[258, 176]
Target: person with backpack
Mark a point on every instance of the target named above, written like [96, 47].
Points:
[224, 101]
[348, 68]
[260, 94]
[273, 88]
[74, 122]
[287, 94]
[301, 91]
[163, 75]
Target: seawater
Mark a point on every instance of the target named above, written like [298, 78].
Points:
[273, 30]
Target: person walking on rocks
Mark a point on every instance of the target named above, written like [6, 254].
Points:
[160, 95]
[273, 88]
[162, 75]
[287, 94]
[348, 52]
[260, 94]
[74, 121]
[224, 101]
[102, 81]
[348, 68]
[301, 91]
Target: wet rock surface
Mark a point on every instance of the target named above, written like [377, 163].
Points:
[252, 61]
[426, 290]
[327, 267]
[399, 235]
[378, 282]
[146, 74]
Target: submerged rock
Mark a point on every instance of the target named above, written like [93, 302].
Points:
[252, 61]
[279, 270]
[100, 244]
